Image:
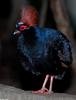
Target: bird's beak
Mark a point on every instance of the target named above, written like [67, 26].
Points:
[16, 32]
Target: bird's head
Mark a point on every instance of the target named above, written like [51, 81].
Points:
[20, 27]
[25, 29]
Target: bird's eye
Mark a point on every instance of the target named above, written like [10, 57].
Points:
[23, 27]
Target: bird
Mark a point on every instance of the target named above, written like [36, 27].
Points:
[43, 51]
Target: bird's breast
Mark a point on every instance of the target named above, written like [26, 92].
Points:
[38, 52]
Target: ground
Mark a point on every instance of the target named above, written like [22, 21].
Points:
[11, 93]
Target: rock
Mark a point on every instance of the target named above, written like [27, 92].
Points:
[12, 93]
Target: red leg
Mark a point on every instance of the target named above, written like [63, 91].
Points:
[43, 89]
[51, 85]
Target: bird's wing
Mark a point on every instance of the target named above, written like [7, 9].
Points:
[64, 49]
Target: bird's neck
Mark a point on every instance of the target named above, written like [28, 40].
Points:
[30, 36]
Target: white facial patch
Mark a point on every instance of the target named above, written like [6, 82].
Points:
[20, 23]
[16, 32]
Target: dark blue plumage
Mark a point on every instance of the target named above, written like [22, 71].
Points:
[43, 50]
[46, 45]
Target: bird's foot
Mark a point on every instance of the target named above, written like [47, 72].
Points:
[42, 91]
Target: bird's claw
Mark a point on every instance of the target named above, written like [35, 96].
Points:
[42, 91]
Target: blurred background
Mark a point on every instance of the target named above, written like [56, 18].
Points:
[57, 14]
